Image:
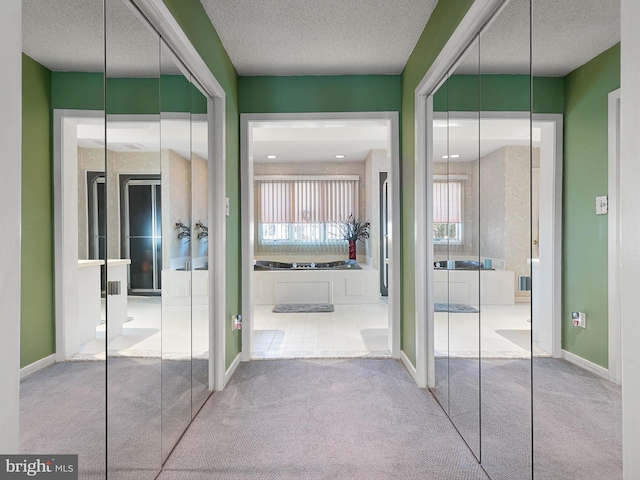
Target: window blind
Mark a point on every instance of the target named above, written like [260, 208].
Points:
[447, 206]
[297, 215]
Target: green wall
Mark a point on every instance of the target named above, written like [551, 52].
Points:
[501, 93]
[339, 93]
[442, 23]
[193, 20]
[37, 326]
[584, 250]
[85, 91]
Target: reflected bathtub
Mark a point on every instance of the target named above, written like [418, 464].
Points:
[337, 265]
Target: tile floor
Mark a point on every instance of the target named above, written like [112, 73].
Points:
[505, 331]
[142, 336]
[349, 331]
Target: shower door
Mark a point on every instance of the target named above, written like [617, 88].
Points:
[142, 234]
[384, 234]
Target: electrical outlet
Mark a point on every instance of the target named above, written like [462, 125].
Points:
[236, 322]
[579, 319]
[602, 205]
[226, 206]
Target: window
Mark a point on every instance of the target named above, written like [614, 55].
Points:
[447, 212]
[298, 213]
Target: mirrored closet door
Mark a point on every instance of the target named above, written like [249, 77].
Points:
[482, 160]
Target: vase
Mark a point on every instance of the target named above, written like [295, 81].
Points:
[352, 250]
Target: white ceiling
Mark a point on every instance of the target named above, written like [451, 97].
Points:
[67, 36]
[312, 37]
[317, 141]
[473, 138]
[565, 35]
[179, 135]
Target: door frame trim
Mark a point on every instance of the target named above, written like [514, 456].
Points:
[246, 181]
[615, 229]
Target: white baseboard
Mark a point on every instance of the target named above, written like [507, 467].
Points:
[232, 369]
[409, 366]
[39, 365]
[586, 364]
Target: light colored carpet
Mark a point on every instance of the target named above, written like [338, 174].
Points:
[321, 419]
[577, 417]
[332, 419]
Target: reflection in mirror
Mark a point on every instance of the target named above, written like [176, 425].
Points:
[62, 407]
[178, 234]
[505, 242]
[458, 176]
[134, 222]
[200, 247]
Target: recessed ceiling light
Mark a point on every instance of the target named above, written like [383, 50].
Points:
[271, 157]
[339, 156]
[450, 156]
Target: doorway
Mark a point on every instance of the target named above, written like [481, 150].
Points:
[351, 297]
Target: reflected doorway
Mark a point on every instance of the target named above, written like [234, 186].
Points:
[141, 224]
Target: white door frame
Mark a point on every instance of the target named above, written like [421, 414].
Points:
[614, 227]
[246, 186]
[10, 215]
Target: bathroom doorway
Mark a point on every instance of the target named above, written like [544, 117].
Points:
[349, 148]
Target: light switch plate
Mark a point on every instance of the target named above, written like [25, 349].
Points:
[226, 206]
[602, 205]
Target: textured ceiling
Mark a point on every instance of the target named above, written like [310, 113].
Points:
[565, 34]
[313, 37]
[67, 36]
[319, 37]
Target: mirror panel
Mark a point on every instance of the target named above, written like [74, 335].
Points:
[178, 239]
[134, 200]
[200, 171]
[462, 195]
[62, 406]
[441, 248]
[505, 242]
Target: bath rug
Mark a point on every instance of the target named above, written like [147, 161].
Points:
[454, 308]
[303, 308]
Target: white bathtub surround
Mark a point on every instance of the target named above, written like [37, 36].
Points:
[177, 286]
[349, 331]
[117, 304]
[89, 308]
[340, 287]
[496, 287]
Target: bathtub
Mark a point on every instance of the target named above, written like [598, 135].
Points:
[337, 265]
[468, 282]
[343, 282]
[459, 265]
